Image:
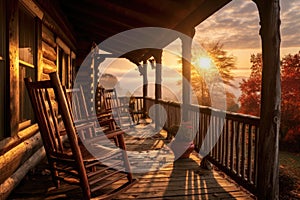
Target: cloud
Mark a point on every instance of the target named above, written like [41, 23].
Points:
[237, 25]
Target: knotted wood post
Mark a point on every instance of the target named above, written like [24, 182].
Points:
[14, 90]
[268, 178]
[145, 86]
[186, 43]
[157, 56]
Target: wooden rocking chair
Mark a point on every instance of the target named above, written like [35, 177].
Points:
[79, 109]
[74, 159]
[120, 110]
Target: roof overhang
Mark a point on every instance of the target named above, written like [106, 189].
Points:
[93, 21]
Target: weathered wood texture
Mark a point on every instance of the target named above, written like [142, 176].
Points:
[12, 182]
[9, 143]
[14, 110]
[49, 52]
[48, 37]
[39, 52]
[230, 141]
[268, 171]
[186, 72]
[182, 179]
[13, 159]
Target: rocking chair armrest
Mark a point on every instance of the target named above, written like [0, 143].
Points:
[103, 122]
[104, 114]
[113, 133]
[79, 127]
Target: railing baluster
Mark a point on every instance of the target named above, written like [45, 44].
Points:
[227, 142]
[232, 146]
[256, 155]
[249, 164]
[223, 141]
[243, 143]
[236, 150]
[220, 141]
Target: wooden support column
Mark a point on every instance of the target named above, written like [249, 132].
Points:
[13, 21]
[157, 56]
[268, 178]
[145, 85]
[186, 73]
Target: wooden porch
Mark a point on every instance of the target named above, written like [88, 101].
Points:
[182, 179]
[236, 152]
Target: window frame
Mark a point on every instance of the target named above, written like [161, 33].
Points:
[25, 110]
[3, 70]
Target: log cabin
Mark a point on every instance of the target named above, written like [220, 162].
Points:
[41, 36]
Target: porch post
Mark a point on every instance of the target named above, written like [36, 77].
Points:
[14, 90]
[145, 85]
[157, 56]
[186, 43]
[268, 178]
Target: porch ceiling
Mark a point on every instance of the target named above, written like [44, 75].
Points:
[97, 20]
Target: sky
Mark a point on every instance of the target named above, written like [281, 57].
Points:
[236, 26]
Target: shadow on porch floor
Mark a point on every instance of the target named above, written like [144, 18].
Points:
[182, 179]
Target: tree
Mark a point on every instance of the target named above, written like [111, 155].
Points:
[290, 107]
[251, 88]
[290, 104]
[224, 64]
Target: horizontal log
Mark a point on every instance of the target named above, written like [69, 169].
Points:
[11, 142]
[48, 37]
[63, 45]
[10, 183]
[60, 30]
[24, 125]
[13, 159]
[48, 52]
[48, 66]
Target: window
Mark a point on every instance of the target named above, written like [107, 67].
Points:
[27, 61]
[2, 68]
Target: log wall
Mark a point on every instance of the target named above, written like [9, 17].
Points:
[49, 52]
[23, 150]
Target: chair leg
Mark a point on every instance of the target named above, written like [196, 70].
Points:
[126, 161]
[86, 193]
[54, 173]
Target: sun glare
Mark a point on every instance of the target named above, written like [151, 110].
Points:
[204, 62]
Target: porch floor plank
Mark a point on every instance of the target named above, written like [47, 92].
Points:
[181, 179]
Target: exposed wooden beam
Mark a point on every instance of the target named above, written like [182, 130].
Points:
[206, 9]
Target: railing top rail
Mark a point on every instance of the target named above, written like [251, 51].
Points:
[249, 119]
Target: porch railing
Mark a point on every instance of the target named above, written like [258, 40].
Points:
[236, 149]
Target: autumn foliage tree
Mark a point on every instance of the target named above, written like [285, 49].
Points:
[251, 88]
[203, 81]
[290, 99]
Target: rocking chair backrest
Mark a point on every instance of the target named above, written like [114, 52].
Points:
[119, 109]
[69, 159]
[49, 103]
[77, 103]
[40, 96]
